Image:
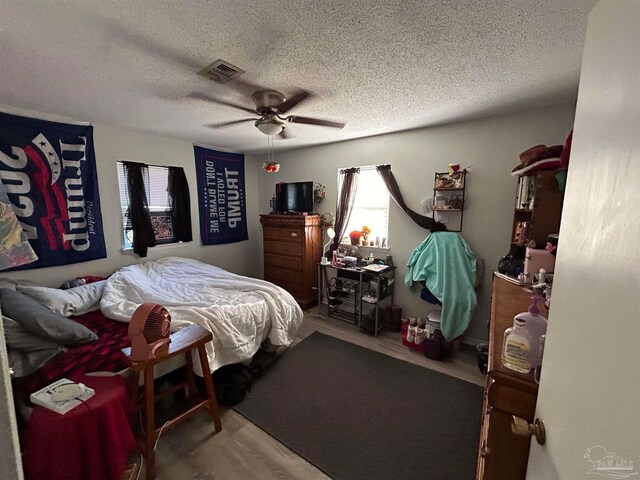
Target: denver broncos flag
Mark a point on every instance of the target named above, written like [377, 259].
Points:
[49, 172]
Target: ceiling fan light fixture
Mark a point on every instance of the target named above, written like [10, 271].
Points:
[269, 127]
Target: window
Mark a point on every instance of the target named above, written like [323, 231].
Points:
[156, 189]
[371, 207]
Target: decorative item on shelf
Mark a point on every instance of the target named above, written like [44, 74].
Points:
[352, 251]
[355, 237]
[271, 167]
[365, 234]
[319, 192]
[450, 181]
[456, 202]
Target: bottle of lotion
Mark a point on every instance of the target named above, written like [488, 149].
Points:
[516, 349]
[536, 326]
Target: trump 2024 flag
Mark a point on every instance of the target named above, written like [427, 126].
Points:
[48, 170]
[221, 197]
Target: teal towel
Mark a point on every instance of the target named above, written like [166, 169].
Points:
[447, 265]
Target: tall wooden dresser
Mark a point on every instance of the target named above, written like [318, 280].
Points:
[501, 454]
[292, 250]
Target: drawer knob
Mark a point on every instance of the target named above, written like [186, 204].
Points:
[521, 427]
[294, 234]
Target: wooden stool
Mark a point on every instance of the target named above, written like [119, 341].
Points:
[182, 342]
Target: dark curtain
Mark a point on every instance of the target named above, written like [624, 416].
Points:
[180, 202]
[348, 181]
[390, 181]
[138, 212]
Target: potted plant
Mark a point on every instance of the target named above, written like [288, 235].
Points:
[365, 234]
[355, 237]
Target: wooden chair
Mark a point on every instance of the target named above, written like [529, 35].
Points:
[182, 342]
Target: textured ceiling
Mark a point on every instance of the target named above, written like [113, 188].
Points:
[381, 66]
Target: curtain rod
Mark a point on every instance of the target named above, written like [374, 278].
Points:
[148, 164]
[365, 167]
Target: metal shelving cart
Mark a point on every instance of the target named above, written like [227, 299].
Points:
[356, 294]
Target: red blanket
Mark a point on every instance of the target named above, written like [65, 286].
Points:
[101, 355]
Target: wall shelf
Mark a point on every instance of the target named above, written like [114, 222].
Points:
[448, 199]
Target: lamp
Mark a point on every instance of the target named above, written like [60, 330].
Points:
[332, 234]
[269, 125]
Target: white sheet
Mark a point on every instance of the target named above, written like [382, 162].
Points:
[241, 312]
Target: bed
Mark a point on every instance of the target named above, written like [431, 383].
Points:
[241, 312]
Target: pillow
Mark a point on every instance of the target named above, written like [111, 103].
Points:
[25, 363]
[72, 301]
[27, 352]
[41, 321]
[13, 284]
[18, 337]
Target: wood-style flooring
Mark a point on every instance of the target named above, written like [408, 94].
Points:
[242, 451]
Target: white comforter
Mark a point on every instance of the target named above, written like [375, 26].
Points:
[241, 312]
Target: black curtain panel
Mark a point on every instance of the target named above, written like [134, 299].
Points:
[180, 202]
[390, 181]
[138, 212]
[348, 182]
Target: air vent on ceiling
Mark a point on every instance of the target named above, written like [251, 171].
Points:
[221, 71]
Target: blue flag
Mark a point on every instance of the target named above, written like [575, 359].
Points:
[221, 196]
[48, 170]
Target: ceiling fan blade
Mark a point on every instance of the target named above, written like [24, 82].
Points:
[314, 121]
[293, 101]
[229, 124]
[207, 98]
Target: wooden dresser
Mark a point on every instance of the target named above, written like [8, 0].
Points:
[501, 454]
[292, 251]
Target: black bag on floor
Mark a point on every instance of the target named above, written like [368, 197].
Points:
[232, 383]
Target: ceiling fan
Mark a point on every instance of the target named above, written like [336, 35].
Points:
[271, 106]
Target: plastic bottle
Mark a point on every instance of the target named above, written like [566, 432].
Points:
[516, 350]
[536, 326]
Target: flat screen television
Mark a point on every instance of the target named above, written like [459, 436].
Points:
[296, 197]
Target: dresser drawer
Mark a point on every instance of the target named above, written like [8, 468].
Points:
[284, 234]
[293, 288]
[281, 261]
[511, 400]
[283, 220]
[283, 248]
[281, 274]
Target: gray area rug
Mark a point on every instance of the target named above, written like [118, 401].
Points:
[358, 414]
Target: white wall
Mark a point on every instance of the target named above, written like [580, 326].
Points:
[113, 144]
[492, 145]
[590, 384]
